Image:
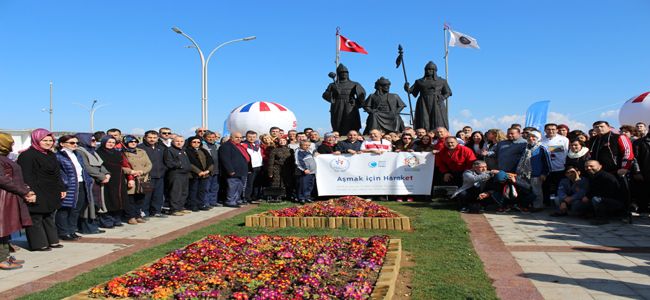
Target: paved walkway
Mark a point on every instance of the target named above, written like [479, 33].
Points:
[44, 269]
[563, 258]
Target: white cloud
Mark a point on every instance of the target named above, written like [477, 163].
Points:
[610, 113]
[559, 118]
[137, 131]
[486, 123]
[465, 113]
[503, 122]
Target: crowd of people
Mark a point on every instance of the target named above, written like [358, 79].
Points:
[63, 188]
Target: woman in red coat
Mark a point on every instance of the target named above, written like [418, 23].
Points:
[14, 214]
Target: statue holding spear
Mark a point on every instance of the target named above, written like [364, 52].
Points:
[433, 91]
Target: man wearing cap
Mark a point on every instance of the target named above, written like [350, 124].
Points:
[383, 109]
[346, 97]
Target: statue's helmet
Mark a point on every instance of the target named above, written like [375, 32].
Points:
[341, 68]
[431, 65]
[382, 82]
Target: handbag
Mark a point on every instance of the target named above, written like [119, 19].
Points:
[143, 187]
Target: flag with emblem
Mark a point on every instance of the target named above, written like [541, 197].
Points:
[348, 45]
[459, 39]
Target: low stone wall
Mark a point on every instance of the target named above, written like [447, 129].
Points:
[264, 220]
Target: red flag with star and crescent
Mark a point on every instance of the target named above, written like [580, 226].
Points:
[348, 45]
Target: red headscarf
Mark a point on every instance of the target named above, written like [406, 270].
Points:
[37, 136]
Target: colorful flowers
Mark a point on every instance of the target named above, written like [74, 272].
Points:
[262, 267]
[348, 206]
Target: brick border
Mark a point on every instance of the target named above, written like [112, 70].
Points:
[135, 245]
[502, 268]
[401, 222]
[387, 280]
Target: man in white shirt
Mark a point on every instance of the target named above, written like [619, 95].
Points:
[558, 147]
[254, 149]
[376, 144]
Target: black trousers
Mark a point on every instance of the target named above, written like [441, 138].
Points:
[67, 218]
[179, 184]
[133, 205]
[42, 233]
[550, 186]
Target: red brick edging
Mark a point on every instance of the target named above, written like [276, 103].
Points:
[500, 265]
[135, 245]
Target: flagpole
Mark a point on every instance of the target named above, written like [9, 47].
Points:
[338, 47]
[444, 32]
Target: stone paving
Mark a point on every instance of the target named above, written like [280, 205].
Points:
[566, 258]
[43, 269]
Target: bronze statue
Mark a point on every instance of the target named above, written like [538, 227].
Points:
[346, 97]
[384, 109]
[430, 109]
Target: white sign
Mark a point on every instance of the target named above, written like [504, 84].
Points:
[391, 173]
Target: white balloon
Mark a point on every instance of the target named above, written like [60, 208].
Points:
[260, 116]
[635, 110]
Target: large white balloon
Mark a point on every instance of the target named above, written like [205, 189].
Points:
[635, 110]
[260, 116]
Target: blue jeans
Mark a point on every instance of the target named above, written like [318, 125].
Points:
[235, 189]
[198, 187]
[305, 186]
[66, 218]
[153, 201]
[211, 196]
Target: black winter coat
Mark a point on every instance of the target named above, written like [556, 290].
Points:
[642, 155]
[42, 173]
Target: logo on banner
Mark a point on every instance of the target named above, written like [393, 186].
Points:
[375, 164]
[340, 164]
[411, 161]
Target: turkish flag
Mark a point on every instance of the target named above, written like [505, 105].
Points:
[348, 45]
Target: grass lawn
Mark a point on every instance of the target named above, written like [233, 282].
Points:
[446, 266]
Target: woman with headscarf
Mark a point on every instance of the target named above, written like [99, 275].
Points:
[14, 214]
[93, 164]
[202, 167]
[115, 191]
[42, 173]
[533, 167]
[137, 171]
[78, 184]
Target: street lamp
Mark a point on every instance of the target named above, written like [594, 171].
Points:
[92, 111]
[204, 71]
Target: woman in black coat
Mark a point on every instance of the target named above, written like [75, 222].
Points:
[42, 173]
[202, 168]
[115, 191]
[281, 167]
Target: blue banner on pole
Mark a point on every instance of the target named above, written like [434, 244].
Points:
[537, 114]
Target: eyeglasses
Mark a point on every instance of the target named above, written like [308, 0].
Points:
[71, 143]
[166, 132]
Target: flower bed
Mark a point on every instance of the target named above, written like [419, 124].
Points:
[349, 211]
[265, 267]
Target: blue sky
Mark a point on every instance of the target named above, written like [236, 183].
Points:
[586, 57]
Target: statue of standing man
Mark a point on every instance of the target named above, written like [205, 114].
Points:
[384, 109]
[430, 109]
[346, 97]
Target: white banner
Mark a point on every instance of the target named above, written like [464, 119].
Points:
[391, 173]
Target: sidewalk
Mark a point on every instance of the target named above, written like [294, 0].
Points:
[44, 269]
[563, 258]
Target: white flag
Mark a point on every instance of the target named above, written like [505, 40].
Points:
[459, 39]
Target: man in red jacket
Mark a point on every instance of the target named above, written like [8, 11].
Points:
[453, 160]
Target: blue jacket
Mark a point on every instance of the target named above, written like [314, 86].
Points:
[540, 162]
[69, 177]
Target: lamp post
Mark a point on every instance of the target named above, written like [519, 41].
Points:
[204, 71]
[92, 111]
[50, 110]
